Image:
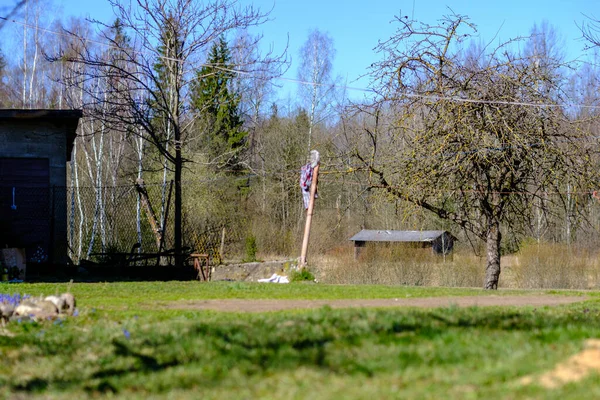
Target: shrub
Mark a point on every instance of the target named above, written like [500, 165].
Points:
[302, 275]
[251, 248]
[554, 266]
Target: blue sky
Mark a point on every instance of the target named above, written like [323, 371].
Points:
[357, 25]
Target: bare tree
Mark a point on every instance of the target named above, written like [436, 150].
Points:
[315, 73]
[591, 31]
[13, 11]
[476, 143]
[257, 88]
[174, 34]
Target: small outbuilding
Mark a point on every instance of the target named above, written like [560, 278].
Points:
[441, 242]
[35, 146]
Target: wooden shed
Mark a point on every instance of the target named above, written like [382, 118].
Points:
[441, 242]
[35, 146]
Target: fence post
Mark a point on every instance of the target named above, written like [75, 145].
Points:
[314, 156]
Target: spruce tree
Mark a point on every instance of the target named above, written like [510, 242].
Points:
[218, 108]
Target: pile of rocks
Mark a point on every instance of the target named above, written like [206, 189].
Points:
[36, 309]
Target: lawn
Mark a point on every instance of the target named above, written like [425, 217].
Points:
[125, 343]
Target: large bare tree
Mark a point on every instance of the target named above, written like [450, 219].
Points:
[478, 137]
[146, 77]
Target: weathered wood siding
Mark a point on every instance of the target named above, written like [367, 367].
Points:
[25, 206]
[34, 148]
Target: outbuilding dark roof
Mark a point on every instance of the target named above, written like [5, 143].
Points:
[69, 117]
[367, 235]
[18, 113]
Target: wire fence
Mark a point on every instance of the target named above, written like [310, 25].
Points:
[62, 224]
[218, 219]
[129, 219]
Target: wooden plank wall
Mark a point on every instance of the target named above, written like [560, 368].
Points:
[25, 217]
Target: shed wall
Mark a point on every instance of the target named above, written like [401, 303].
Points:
[23, 141]
[37, 139]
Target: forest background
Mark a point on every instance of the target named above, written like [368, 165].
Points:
[494, 142]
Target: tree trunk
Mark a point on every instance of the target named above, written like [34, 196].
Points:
[568, 208]
[492, 271]
[138, 210]
[178, 204]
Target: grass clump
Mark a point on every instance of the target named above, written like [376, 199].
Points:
[302, 276]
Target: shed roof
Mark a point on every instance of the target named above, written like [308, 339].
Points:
[367, 235]
[69, 117]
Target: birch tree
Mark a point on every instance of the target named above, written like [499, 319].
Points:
[315, 73]
[73, 93]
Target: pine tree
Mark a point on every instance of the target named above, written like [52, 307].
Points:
[218, 107]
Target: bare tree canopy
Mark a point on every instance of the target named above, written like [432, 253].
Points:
[13, 11]
[477, 139]
[315, 73]
[140, 81]
[591, 31]
[495, 142]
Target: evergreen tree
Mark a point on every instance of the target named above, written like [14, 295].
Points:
[218, 107]
[164, 102]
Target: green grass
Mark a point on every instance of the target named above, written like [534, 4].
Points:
[120, 347]
[127, 294]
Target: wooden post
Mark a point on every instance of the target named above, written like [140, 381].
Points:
[222, 247]
[139, 185]
[309, 214]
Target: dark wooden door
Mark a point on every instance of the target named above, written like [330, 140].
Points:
[25, 217]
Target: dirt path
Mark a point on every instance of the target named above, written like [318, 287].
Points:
[251, 305]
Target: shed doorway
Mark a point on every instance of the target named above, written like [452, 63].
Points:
[25, 217]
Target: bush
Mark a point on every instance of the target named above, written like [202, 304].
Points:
[302, 275]
[554, 266]
[413, 268]
[251, 248]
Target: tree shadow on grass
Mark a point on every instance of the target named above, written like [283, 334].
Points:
[318, 339]
[144, 364]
